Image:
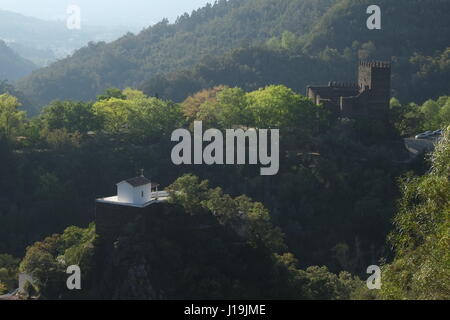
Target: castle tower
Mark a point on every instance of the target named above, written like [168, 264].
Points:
[368, 99]
[375, 79]
[375, 75]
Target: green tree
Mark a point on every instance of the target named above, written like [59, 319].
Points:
[408, 119]
[421, 268]
[431, 110]
[70, 115]
[191, 105]
[11, 119]
[47, 261]
[189, 192]
[444, 113]
[40, 262]
[280, 107]
[136, 114]
[151, 118]
[8, 272]
[114, 114]
[2, 288]
[111, 93]
[232, 108]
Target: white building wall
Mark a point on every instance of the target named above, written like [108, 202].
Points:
[142, 194]
[125, 192]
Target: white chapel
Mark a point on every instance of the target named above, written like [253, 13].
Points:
[137, 192]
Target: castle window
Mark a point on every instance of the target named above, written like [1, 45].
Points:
[142, 194]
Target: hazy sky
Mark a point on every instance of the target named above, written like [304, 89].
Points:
[135, 13]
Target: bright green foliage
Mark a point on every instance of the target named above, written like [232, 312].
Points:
[41, 264]
[114, 113]
[227, 109]
[421, 268]
[276, 107]
[11, 119]
[152, 118]
[408, 119]
[251, 217]
[8, 273]
[47, 261]
[189, 192]
[2, 288]
[411, 118]
[70, 115]
[233, 108]
[135, 114]
[111, 93]
[280, 107]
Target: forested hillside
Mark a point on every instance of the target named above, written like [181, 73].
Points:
[164, 47]
[421, 63]
[13, 66]
[407, 26]
[416, 79]
[292, 34]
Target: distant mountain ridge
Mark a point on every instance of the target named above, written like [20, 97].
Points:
[42, 41]
[211, 30]
[13, 66]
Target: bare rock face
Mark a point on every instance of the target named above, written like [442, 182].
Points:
[136, 285]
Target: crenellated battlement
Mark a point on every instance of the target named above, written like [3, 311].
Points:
[337, 84]
[375, 64]
[368, 97]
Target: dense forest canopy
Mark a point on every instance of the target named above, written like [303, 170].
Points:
[407, 27]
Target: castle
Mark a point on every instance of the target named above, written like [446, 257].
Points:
[369, 97]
